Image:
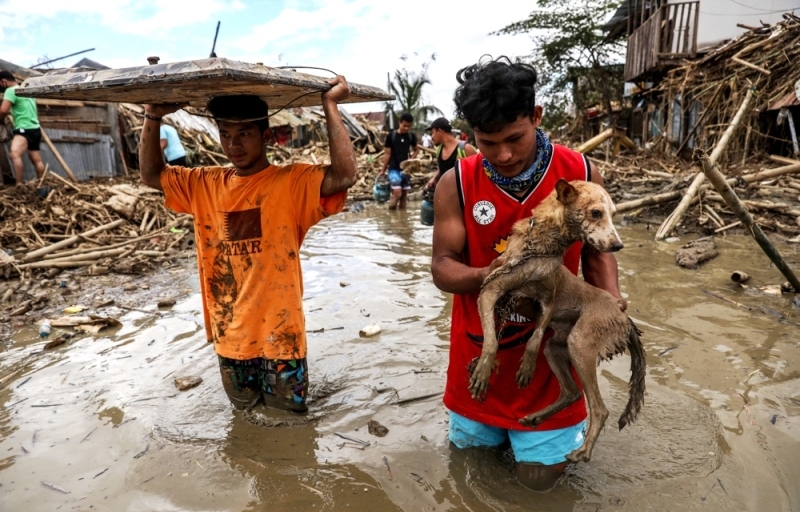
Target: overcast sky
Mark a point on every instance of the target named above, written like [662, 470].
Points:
[362, 39]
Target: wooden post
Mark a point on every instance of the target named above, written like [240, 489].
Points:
[676, 216]
[595, 141]
[712, 172]
[69, 241]
[58, 155]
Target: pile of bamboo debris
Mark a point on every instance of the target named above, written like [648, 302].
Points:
[117, 226]
[645, 187]
[764, 59]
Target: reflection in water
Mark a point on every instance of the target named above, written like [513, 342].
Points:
[721, 410]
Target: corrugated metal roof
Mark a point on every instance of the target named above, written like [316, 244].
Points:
[93, 157]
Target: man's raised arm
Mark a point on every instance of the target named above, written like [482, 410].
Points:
[151, 157]
[342, 173]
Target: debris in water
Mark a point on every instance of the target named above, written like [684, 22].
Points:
[388, 469]
[74, 309]
[312, 489]
[370, 330]
[376, 429]
[91, 324]
[55, 487]
[694, 253]
[344, 284]
[100, 473]
[737, 276]
[725, 299]
[722, 486]
[184, 383]
[351, 438]
[166, 303]
[141, 453]
[415, 398]
[24, 381]
[60, 340]
[773, 419]
[87, 435]
[25, 450]
[667, 350]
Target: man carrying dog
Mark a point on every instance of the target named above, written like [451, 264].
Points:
[476, 205]
[249, 222]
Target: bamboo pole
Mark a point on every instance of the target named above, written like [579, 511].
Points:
[69, 241]
[89, 256]
[671, 196]
[595, 141]
[676, 216]
[714, 175]
[57, 155]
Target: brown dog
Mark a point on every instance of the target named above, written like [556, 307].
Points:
[588, 322]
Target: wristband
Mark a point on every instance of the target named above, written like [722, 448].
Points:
[153, 118]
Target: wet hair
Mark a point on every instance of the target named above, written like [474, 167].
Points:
[408, 118]
[245, 106]
[495, 92]
[7, 75]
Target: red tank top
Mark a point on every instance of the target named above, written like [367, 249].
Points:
[489, 214]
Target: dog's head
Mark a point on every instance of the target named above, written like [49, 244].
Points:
[589, 209]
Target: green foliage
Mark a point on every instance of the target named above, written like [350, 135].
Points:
[407, 86]
[570, 48]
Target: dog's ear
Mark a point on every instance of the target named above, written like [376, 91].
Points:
[566, 193]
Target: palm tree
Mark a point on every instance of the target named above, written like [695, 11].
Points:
[407, 88]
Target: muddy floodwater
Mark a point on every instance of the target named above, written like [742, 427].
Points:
[101, 422]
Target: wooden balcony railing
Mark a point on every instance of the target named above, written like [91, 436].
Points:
[668, 35]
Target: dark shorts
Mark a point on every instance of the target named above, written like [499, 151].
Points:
[33, 136]
[282, 384]
[180, 162]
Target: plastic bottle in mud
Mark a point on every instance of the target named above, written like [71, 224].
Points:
[44, 329]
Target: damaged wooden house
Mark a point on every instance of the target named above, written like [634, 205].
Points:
[81, 139]
[689, 64]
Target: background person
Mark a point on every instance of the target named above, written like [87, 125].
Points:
[250, 220]
[476, 205]
[174, 152]
[449, 149]
[27, 132]
[399, 144]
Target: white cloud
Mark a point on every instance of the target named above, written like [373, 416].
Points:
[144, 17]
[373, 35]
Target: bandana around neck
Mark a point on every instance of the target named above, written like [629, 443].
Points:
[523, 180]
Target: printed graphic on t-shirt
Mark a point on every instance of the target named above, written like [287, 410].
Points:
[242, 232]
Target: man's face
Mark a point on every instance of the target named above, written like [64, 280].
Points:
[512, 149]
[242, 143]
[437, 135]
[404, 127]
[5, 84]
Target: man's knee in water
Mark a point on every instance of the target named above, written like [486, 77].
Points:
[539, 477]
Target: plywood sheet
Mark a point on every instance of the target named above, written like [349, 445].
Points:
[194, 82]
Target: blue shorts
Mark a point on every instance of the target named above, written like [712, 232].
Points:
[399, 179]
[545, 447]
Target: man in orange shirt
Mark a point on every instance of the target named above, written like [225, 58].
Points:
[250, 220]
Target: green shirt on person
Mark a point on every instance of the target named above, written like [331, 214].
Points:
[23, 110]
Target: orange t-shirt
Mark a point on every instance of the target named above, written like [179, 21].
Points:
[248, 231]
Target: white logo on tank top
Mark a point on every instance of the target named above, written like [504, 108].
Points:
[484, 212]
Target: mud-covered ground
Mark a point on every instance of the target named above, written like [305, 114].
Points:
[100, 419]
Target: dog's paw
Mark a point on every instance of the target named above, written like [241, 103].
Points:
[526, 369]
[531, 420]
[580, 455]
[480, 372]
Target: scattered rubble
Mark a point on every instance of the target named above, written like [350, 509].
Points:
[693, 254]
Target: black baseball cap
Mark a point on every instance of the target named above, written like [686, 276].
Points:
[441, 123]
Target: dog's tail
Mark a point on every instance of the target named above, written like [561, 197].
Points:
[636, 384]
